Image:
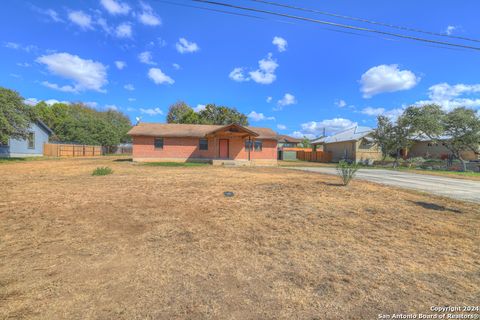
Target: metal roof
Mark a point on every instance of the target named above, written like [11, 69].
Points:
[350, 134]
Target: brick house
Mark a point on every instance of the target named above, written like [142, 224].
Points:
[216, 144]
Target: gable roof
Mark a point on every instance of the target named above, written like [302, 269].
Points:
[351, 134]
[285, 138]
[191, 130]
[42, 124]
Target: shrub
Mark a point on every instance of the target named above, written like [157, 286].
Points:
[346, 171]
[102, 171]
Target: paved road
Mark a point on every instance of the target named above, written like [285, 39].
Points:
[449, 187]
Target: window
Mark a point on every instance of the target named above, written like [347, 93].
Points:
[258, 145]
[31, 140]
[158, 143]
[365, 144]
[248, 145]
[203, 144]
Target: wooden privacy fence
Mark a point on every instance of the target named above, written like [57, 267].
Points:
[314, 156]
[71, 150]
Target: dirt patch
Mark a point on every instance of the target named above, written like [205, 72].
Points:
[164, 242]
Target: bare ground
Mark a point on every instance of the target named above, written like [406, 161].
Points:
[164, 243]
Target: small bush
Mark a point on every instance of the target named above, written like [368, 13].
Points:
[102, 171]
[346, 171]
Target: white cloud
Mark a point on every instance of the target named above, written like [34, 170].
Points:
[65, 88]
[132, 99]
[269, 99]
[281, 43]
[31, 101]
[129, 87]
[159, 77]
[12, 45]
[52, 14]
[259, 116]
[34, 101]
[85, 74]
[185, 46]
[111, 107]
[450, 29]
[300, 135]
[81, 19]
[124, 30]
[152, 111]
[146, 57]
[237, 75]
[91, 104]
[386, 78]
[148, 16]
[340, 103]
[120, 64]
[199, 107]
[288, 99]
[115, 7]
[315, 129]
[281, 127]
[373, 111]
[24, 64]
[176, 66]
[450, 97]
[17, 46]
[265, 74]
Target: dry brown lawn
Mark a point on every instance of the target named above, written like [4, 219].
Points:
[165, 243]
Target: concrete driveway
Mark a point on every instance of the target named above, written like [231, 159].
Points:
[449, 187]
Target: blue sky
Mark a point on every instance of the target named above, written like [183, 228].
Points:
[295, 77]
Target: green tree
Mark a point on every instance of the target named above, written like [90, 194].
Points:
[177, 112]
[306, 142]
[392, 137]
[221, 115]
[180, 112]
[458, 130]
[79, 123]
[462, 131]
[15, 116]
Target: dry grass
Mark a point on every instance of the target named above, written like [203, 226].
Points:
[164, 243]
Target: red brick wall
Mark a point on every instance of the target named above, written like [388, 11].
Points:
[184, 148]
[143, 147]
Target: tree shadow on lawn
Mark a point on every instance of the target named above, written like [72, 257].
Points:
[433, 206]
[123, 160]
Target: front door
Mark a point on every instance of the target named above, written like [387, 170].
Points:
[223, 146]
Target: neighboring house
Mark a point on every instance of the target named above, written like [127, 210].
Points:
[355, 144]
[425, 148]
[39, 134]
[285, 141]
[205, 143]
[287, 147]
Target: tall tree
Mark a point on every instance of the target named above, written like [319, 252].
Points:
[462, 133]
[15, 116]
[392, 137]
[79, 123]
[177, 112]
[458, 130]
[180, 112]
[213, 114]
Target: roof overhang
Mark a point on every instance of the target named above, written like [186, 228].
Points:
[233, 130]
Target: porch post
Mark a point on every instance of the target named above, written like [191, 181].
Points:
[250, 147]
